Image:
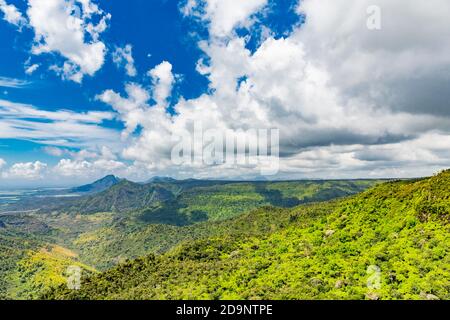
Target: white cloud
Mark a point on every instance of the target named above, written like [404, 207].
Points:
[65, 33]
[163, 80]
[89, 8]
[67, 167]
[188, 8]
[31, 69]
[334, 84]
[12, 14]
[223, 16]
[67, 172]
[54, 151]
[74, 168]
[13, 83]
[10, 109]
[399, 65]
[123, 57]
[27, 171]
[61, 127]
[349, 102]
[130, 109]
[337, 91]
[135, 112]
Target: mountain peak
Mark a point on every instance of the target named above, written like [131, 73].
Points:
[160, 179]
[109, 177]
[98, 186]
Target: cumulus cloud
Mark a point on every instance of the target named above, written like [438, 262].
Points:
[76, 165]
[31, 69]
[66, 34]
[130, 109]
[347, 100]
[163, 80]
[223, 16]
[12, 14]
[25, 170]
[67, 172]
[70, 168]
[136, 112]
[123, 57]
[89, 169]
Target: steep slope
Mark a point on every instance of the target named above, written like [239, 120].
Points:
[224, 201]
[391, 242]
[124, 196]
[174, 212]
[163, 225]
[13, 247]
[189, 201]
[30, 265]
[19, 235]
[41, 269]
[97, 186]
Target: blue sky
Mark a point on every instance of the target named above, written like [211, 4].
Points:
[89, 88]
[158, 32]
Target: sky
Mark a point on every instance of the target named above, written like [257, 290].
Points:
[357, 88]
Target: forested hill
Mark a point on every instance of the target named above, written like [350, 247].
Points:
[128, 220]
[123, 195]
[97, 186]
[397, 233]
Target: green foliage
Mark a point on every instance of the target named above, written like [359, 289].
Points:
[42, 269]
[164, 213]
[12, 248]
[318, 251]
[220, 200]
[204, 245]
[189, 215]
[189, 201]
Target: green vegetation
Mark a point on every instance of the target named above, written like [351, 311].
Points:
[163, 225]
[102, 232]
[318, 251]
[28, 264]
[13, 248]
[242, 240]
[98, 186]
[39, 270]
[190, 201]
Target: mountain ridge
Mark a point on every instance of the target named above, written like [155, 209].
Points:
[318, 251]
[97, 186]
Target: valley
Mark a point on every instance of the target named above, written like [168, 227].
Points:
[389, 242]
[113, 221]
